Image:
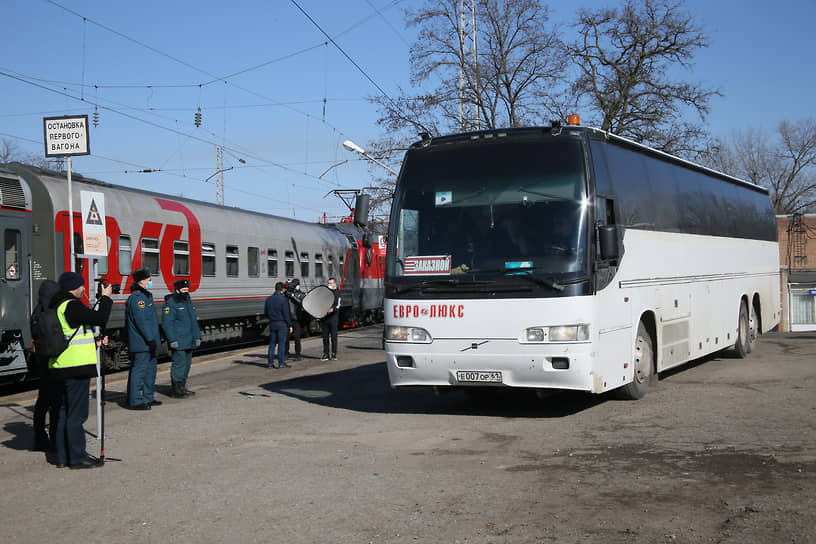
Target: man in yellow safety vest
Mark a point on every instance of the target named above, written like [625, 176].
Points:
[75, 367]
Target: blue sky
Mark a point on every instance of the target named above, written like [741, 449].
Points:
[148, 67]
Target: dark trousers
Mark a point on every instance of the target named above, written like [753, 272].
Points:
[70, 436]
[142, 378]
[48, 402]
[328, 326]
[278, 330]
[180, 367]
[294, 336]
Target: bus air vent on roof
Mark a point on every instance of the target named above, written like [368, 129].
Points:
[11, 193]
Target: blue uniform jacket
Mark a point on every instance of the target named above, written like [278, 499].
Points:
[179, 320]
[277, 309]
[141, 321]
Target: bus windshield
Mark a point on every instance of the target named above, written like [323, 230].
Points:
[490, 211]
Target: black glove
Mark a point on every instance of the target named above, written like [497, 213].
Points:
[151, 347]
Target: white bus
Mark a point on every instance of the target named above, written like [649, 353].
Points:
[569, 258]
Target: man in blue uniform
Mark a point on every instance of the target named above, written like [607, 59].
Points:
[180, 326]
[142, 326]
[280, 325]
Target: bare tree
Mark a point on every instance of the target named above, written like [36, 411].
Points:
[518, 56]
[519, 59]
[785, 166]
[8, 151]
[624, 56]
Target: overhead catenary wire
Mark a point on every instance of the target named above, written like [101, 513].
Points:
[193, 137]
[348, 57]
[125, 109]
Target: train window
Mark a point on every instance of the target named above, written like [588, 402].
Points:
[318, 265]
[11, 253]
[253, 262]
[150, 254]
[342, 268]
[331, 266]
[232, 261]
[304, 265]
[181, 258]
[272, 263]
[290, 264]
[208, 260]
[125, 255]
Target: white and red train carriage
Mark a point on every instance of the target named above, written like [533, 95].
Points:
[232, 257]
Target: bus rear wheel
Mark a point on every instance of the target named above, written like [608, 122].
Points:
[746, 331]
[644, 363]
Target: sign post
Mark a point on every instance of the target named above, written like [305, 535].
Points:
[64, 137]
[95, 242]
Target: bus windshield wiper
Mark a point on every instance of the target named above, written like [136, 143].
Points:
[455, 281]
[527, 274]
[437, 283]
[542, 280]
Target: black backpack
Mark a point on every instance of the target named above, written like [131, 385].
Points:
[46, 331]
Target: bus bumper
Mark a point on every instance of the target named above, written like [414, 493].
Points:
[480, 362]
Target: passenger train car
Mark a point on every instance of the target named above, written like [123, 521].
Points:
[232, 257]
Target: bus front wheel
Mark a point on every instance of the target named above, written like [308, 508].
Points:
[643, 363]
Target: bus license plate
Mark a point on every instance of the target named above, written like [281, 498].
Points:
[478, 376]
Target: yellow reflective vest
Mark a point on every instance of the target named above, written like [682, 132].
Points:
[81, 350]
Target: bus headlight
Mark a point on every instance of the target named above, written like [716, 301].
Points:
[407, 334]
[536, 334]
[561, 333]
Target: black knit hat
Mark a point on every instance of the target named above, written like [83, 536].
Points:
[69, 281]
[178, 285]
[141, 274]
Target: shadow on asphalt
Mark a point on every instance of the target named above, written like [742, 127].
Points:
[366, 389]
[21, 436]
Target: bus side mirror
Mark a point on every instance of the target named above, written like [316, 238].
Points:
[608, 242]
[361, 210]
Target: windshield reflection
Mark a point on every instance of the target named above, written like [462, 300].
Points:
[491, 212]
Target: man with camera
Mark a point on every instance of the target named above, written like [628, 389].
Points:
[144, 339]
[74, 367]
[295, 296]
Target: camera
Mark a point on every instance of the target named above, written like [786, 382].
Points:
[101, 282]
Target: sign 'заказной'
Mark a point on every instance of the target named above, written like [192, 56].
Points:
[66, 136]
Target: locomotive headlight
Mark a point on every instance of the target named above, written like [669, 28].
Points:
[407, 334]
[561, 333]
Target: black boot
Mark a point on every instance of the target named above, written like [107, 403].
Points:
[176, 391]
[187, 392]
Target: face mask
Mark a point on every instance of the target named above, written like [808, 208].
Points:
[332, 287]
[150, 284]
